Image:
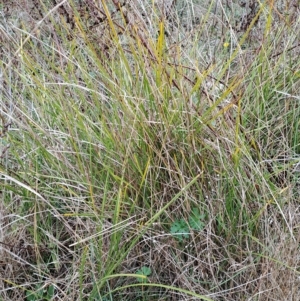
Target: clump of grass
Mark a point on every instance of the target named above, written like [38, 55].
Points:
[121, 121]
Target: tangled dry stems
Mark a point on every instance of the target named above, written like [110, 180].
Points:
[102, 125]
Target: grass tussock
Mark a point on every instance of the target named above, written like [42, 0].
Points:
[149, 151]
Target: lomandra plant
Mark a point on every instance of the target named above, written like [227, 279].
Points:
[123, 121]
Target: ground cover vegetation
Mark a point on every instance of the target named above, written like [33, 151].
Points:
[149, 150]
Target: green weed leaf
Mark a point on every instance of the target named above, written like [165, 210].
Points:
[180, 229]
[196, 219]
[145, 271]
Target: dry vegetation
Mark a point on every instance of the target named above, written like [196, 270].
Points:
[150, 150]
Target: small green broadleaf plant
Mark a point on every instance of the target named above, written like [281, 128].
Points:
[180, 229]
[40, 294]
[144, 271]
[196, 220]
